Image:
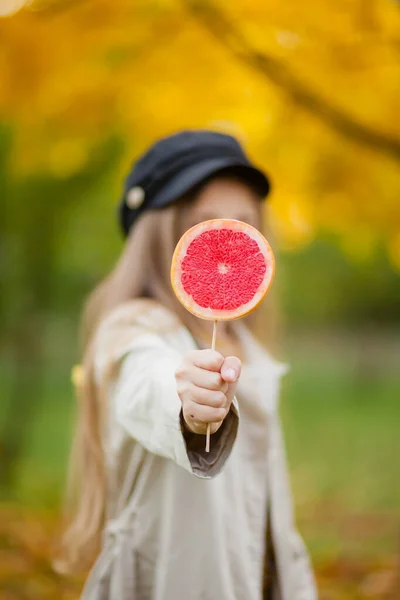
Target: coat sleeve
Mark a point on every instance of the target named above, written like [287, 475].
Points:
[147, 406]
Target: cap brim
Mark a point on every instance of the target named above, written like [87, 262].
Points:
[192, 176]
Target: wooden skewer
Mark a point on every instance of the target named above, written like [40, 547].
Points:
[214, 339]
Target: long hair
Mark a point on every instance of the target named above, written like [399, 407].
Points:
[142, 271]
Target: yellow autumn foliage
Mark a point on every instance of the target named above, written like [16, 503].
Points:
[311, 88]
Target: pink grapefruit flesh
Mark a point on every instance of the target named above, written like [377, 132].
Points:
[222, 269]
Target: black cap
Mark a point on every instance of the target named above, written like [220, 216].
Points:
[176, 164]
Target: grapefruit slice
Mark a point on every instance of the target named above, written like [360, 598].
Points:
[222, 269]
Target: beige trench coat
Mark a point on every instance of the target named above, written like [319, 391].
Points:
[183, 524]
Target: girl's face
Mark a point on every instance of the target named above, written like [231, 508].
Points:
[225, 198]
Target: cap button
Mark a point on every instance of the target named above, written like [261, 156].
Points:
[135, 197]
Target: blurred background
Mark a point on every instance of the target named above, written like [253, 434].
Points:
[313, 90]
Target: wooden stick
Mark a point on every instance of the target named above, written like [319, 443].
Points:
[214, 336]
[214, 339]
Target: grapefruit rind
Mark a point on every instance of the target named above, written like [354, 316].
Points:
[212, 314]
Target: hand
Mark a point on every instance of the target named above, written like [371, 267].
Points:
[206, 384]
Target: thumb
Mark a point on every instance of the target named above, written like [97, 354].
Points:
[230, 370]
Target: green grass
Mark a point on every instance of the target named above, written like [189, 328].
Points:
[42, 474]
[343, 435]
[343, 442]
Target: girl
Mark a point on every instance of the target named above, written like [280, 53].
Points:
[167, 520]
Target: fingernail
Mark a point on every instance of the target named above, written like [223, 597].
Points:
[231, 374]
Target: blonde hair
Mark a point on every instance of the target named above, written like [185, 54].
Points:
[142, 271]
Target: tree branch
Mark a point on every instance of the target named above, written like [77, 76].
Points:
[275, 71]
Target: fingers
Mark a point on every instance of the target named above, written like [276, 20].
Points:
[215, 399]
[202, 367]
[204, 414]
[201, 428]
[208, 380]
[211, 360]
[197, 417]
